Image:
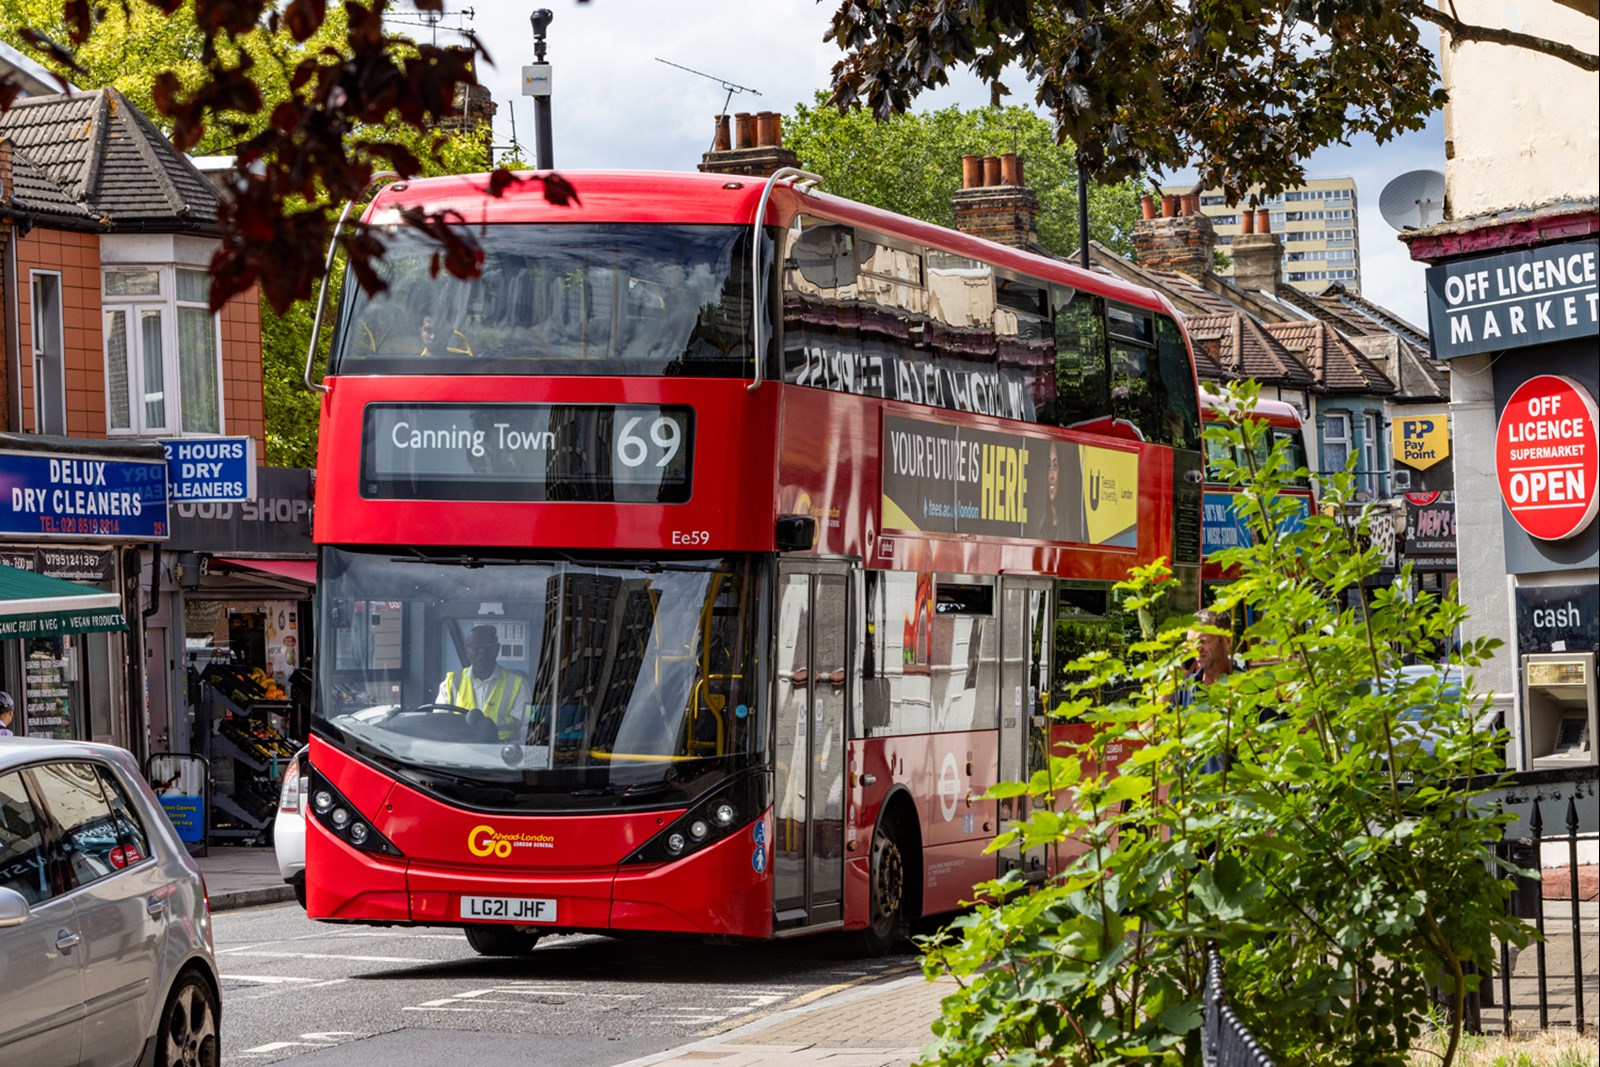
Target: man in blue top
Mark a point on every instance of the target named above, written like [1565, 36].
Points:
[483, 685]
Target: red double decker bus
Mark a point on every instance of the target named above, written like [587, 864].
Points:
[756, 513]
[1224, 527]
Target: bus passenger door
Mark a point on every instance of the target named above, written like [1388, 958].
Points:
[808, 783]
[1024, 678]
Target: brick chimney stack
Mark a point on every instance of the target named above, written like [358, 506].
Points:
[472, 108]
[1258, 257]
[1180, 239]
[995, 203]
[757, 151]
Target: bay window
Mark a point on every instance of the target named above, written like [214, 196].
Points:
[163, 353]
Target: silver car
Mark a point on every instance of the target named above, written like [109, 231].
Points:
[105, 931]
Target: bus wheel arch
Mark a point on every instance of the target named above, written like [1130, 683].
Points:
[894, 874]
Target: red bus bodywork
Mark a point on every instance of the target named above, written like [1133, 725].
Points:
[759, 454]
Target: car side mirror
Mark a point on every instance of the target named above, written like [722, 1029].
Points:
[13, 908]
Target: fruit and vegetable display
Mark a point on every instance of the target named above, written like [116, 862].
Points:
[243, 685]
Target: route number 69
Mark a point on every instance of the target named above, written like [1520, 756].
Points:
[633, 450]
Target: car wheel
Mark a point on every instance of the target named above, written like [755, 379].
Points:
[300, 891]
[886, 909]
[188, 1035]
[495, 940]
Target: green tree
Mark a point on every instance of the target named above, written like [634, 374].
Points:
[298, 156]
[1242, 90]
[174, 43]
[911, 164]
[1317, 816]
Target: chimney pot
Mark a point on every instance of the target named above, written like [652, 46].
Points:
[721, 142]
[1010, 169]
[1247, 221]
[991, 170]
[764, 129]
[1190, 204]
[1147, 206]
[1169, 207]
[971, 172]
[744, 128]
[1263, 220]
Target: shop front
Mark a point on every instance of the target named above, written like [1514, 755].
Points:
[1519, 328]
[73, 516]
[232, 636]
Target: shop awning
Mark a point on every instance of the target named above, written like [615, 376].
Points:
[298, 570]
[32, 605]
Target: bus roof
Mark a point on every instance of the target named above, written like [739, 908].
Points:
[1273, 412]
[692, 197]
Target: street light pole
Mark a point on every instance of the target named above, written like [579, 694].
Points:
[536, 83]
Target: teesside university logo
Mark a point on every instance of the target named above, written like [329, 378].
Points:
[487, 841]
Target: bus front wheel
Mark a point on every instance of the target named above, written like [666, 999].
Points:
[496, 940]
[886, 909]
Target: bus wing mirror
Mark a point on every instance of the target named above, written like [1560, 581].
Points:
[796, 533]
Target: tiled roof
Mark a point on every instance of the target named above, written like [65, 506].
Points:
[1335, 363]
[1242, 348]
[1182, 284]
[95, 156]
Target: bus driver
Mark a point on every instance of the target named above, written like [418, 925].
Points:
[483, 685]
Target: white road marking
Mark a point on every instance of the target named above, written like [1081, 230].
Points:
[319, 1039]
[325, 956]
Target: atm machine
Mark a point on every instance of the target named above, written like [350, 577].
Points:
[1558, 708]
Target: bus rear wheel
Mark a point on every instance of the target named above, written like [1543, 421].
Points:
[886, 908]
[496, 940]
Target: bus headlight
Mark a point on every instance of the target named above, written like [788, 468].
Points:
[340, 817]
[698, 829]
[723, 814]
[358, 832]
[675, 843]
[322, 801]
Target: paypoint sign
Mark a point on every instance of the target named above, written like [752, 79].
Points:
[1421, 439]
[1546, 452]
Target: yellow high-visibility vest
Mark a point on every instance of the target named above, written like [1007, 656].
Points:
[501, 697]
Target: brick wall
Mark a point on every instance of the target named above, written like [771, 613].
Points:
[1182, 243]
[1007, 215]
[76, 257]
[244, 410]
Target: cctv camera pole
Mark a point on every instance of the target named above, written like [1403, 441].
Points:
[536, 83]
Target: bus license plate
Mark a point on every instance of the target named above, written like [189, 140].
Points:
[509, 909]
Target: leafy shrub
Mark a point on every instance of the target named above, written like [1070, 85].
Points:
[1344, 869]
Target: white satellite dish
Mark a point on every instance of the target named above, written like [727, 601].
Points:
[1413, 200]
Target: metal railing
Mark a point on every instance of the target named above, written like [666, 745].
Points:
[1224, 1039]
[1546, 985]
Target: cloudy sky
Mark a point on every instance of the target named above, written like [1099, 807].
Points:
[615, 106]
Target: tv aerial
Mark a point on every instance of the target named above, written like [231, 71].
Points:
[1413, 200]
[731, 87]
[432, 20]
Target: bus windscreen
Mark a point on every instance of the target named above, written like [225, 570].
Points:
[540, 685]
[583, 299]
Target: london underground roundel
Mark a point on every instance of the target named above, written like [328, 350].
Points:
[1547, 455]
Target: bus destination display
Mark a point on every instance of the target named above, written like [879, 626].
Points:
[625, 453]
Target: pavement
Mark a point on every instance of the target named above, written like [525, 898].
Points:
[887, 1024]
